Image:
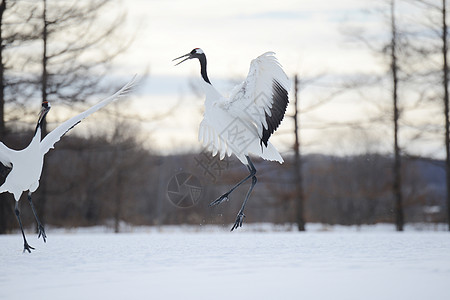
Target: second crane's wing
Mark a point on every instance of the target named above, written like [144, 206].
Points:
[55, 135]
[5, 155]
[263, 97]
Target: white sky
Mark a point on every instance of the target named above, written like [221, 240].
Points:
[305, 34]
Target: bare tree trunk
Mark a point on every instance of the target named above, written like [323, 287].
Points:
[446, 105]
[44, 59]
[118, 201]
[3, 198]
[299, 204]
[118, 194]
[2, 74]
[397, 186]
[43, 181]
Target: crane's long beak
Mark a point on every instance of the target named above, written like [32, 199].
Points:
[188, 57]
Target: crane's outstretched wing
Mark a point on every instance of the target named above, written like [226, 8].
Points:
[50, 139]
[5, 155]
[263, 97]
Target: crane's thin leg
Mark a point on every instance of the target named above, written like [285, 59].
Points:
[241, 216]
[25, 243]
[224, 197]
[41, 230]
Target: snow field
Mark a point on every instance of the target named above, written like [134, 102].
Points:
[222, 265]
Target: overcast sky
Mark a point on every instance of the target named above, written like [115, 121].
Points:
[304, 34]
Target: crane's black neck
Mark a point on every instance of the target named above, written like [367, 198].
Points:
[202, 59]
[40, 123]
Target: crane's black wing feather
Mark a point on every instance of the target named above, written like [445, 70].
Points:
[279, 105]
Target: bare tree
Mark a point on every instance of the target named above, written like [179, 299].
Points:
[14, 33]
[3, 203]
[397, 186]
[298, 162]
[393, 53]
[2, 72]
[431, 45]
[446, 103]
[68, 33]
[445, 79]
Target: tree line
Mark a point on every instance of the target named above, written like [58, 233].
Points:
[109, 179]
[410, 93]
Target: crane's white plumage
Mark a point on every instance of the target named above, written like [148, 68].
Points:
[243, 123]
[27, 164]
[5, 153]
[246, 113]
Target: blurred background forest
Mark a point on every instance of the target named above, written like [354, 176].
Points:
[381, 159]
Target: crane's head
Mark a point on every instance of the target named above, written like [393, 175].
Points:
[195, 53]
[44, 110]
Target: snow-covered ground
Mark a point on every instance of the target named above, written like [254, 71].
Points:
[178, 263]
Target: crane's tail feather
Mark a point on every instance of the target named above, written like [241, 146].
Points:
[271, 153]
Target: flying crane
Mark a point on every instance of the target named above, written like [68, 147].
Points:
[243, 123]
[26, 164]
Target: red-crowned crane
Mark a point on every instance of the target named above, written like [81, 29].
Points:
[243, 123]
[26, 165]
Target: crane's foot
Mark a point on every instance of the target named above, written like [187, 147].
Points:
[239, 220]
[27, 247]
[41, 232]
[219, 200]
